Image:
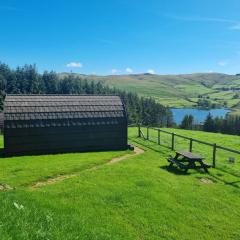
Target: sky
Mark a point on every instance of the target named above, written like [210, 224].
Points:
[105, 37]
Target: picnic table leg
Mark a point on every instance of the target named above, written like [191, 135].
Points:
[187, 166]
[191, 165]
[204, 167]
[176, 157]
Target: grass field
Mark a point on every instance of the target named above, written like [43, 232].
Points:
[222, 156]
[138, 198]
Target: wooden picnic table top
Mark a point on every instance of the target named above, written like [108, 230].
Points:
[190, 155]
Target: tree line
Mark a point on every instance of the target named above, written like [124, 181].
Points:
[27, 80]
[228, 125]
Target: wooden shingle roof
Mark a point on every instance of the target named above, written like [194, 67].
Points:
[61, 110]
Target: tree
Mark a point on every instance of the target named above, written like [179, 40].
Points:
[187, 122]
[208, 125]
[218, 123]
[50, 81]
[236, 96]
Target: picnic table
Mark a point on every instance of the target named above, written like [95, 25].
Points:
[187, 160]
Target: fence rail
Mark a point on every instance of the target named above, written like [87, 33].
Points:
[191, 141]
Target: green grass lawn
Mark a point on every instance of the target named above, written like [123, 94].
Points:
[222, 156]
[138, 198]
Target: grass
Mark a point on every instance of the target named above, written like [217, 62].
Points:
[21, 171]
[138, 198]
[177, 103]
[236, 112]
[230, 141]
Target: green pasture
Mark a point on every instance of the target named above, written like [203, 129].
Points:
[137, 198]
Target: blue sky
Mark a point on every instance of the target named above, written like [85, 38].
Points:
[122, 36]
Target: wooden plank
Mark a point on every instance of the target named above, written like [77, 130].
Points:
[214, 155]
[178, 135]
[173, 136]
[190, 145]
[63, 130]
[184, 137]
[70, 136]
[178, 163]
[228, 149]
[190, 155]
[65, 145]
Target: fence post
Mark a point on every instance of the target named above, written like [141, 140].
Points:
[158, 136]
[139, 130]
[190, 145]
[147, 133]
[173, 136]
[214, 154]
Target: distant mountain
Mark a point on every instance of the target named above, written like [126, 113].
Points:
[183, 90]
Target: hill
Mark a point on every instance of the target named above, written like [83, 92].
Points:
[184, 90]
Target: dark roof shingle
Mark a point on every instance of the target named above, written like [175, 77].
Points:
[43, 110]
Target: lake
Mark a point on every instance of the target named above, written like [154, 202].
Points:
[199, 114]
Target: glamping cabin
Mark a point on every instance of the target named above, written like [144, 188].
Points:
[1, 122]
[40, 124]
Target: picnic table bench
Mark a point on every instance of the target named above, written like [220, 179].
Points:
[187, 160]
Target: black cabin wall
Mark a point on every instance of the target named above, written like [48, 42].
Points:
[65, 139]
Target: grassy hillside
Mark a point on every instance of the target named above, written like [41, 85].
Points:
[138, 198]
[178, 90]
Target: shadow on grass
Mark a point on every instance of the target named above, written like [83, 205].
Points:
[228, 172]
[174, 170]
[160, 145]
[229, 183]
[154, 146]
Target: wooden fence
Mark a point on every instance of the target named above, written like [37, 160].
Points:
[191, 141]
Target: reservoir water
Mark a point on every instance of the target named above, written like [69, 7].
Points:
[199, 114]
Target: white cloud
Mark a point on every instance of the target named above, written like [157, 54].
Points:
[114, 71]
[235, 27]
[223, 63]
[202, 19]
[74, 65]
[129, 70]
[151, 71]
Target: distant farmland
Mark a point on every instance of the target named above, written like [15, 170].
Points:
[180, 90]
